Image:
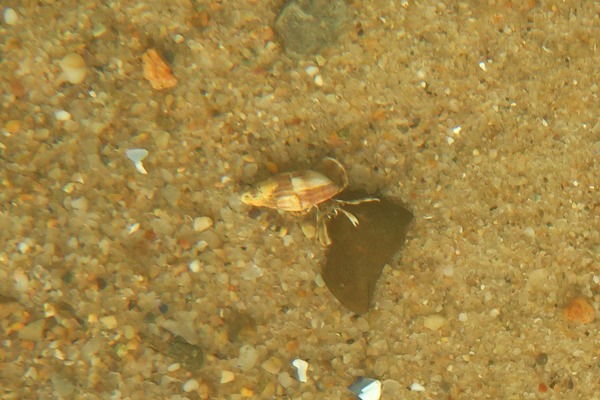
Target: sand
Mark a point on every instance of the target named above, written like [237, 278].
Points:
[482, 117]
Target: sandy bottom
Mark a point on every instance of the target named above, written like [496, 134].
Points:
[482, 117]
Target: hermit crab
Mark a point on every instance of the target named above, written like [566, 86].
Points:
[305, 190]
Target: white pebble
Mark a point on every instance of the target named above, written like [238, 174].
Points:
[62, 115]
[178, 38]
[366, 388]
[10, 16]
[173, 367]
[312, 71]
[319, 80]
[202, 223]
[195, 266]
[191, 385]
[301, 367]
[137, 156]
[417, 387]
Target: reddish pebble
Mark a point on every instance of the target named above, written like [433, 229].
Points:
[579, 311]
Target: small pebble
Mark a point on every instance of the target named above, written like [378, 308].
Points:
[10, 16]
[417, 387]
[434, 322]
[366, 388]
[73, 68]
[227, 376]
[319, 80]
[62, 115]
[12, 126]
[110, 322]
[248, 357]
[579, 311]
[202, 223]
[128, 332]
[33, 331]
[137, 156]
[173, 367]
[195, 266]
[80, 204]
[157, 71]
[391, 388]
[309, 229]
[285, 380]
[191, 385]
[311, 70]
[301, 367]
[272, 365]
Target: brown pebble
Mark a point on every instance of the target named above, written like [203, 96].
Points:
[579, 311]
[12, 126]
[157, 71]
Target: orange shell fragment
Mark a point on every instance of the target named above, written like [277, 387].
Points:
[579, 311]
[157, 71]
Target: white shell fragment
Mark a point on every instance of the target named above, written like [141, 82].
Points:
[137, 156]
[366, 388]
[301, 367]
[417, 387]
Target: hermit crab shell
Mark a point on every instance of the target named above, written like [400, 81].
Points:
[292, 191]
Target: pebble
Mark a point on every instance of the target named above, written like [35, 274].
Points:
[137, 156]
[579, 311]
[319, 80]
[417, 387]
[191, 385]
[73, 68]
[33, 331]
[110, 322]
[272, 365]
[10, 16]
[306, 27]
[173, 367]
[309, 229]
[157, 71]
[195, 266]
[248, 357]
[301, 367]
[227, 376]
[391, 388]
[285, 380]
[202, 223]
[80, 204]
[12, 126]
[434, 322]
[62, 115]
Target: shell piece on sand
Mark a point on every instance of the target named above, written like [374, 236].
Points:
[358, 254]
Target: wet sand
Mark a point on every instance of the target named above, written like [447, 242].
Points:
[481, 118]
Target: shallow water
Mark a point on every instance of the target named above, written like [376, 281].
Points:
[482, 118]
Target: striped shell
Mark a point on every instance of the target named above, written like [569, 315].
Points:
[292, 191]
